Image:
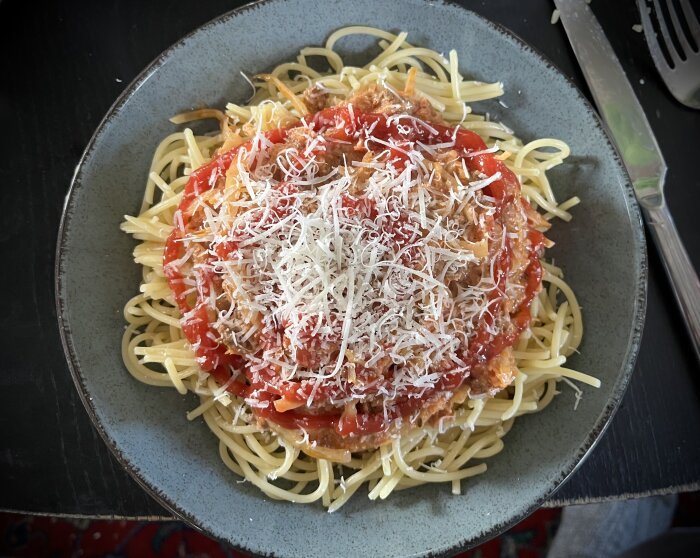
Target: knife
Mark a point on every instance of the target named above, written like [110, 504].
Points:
[624, 117]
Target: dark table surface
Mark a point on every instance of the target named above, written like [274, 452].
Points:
[62, 66]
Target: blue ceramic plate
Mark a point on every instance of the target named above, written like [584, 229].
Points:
[602, 252]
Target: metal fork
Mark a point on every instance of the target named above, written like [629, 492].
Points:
[682, 76]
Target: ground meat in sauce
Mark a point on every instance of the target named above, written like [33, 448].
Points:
[315, 98]
[493, 376]
[376, 99]
[435, 408]
[489, 377]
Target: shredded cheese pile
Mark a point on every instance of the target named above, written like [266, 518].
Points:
[328, 266]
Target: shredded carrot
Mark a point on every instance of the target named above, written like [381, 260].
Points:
[410, 86]
[233, 185]
[297, 103]
[282, 405]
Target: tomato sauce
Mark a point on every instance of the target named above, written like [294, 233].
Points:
[340, 123]
[212, 356]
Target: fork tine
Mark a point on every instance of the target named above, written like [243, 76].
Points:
[692, 21]
[680, 34]
[670, 48]
[652, 40]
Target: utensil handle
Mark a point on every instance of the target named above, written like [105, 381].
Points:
[684, 279]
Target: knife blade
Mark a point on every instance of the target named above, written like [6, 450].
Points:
[616, 101]
[624, 116]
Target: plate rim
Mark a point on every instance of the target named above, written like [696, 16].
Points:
[593, 437]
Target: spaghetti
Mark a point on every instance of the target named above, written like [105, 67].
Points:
[349, 275]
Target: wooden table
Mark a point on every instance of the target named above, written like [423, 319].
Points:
[63, 64]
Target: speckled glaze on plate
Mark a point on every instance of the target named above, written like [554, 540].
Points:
[602, 252]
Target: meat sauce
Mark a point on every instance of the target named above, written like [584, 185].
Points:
[338, 428]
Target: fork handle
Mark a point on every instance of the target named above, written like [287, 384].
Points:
[684, 279]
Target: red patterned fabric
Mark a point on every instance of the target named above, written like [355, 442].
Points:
[26, 536]
[50, 537]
